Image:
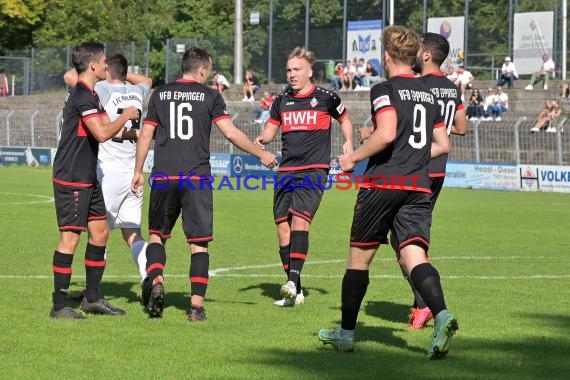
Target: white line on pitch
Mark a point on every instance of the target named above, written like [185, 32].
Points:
[45, 199]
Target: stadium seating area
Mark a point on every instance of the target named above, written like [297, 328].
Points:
[34, 121]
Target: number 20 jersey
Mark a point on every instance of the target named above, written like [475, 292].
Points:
[448, 98]
[403, 164]
[182, 113]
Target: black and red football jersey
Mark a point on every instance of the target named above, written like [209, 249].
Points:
[305, 121]
[403, 164]
[448, 99]
[75, 163]
[182, 113]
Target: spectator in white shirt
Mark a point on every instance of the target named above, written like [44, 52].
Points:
[503, 99]
[544, 73]
[492, 105]
[508, 73]
[464, 81]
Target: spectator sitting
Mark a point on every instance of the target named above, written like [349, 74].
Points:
[359, 75]
[370, 76]
[264, 105]
[250, 86]
[451, 74]
[508, 73]
[503, 99]
[349, 73]
[544, 73]
[546, 117]
[464, 80]
[337, 80]
[492, 105]
[220, 83]
[475, 107]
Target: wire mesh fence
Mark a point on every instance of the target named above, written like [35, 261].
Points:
[508, 141]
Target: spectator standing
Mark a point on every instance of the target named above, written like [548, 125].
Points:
[250, 86]
[543, 74]
[508, 73]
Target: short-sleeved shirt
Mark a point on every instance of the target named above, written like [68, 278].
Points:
[403, 164]
[75, 163]
[448, 98]
[120, 155]
[182, 113]
[305, 121]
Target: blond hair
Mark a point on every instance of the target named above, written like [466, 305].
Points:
[401, 43]
[303, 53]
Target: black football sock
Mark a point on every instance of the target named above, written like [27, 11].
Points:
[418, 300]
[61, 278]
[284, 255]
[155, 260]
[354, 285]
[94, 268]
[426, 279]
[298, 254]
[199, 264]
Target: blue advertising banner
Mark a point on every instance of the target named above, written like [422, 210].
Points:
[25, 156]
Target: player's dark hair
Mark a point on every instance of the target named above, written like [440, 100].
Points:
[437, 45]
[84, 53]
[401, 43]
[303, 53]
[117, 66]
[195, 58]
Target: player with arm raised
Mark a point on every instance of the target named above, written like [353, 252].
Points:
[78, 196]
[116, 158]
[303, 113]
[408, 128]
[180, 117]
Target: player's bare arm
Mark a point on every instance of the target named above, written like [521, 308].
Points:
[364, 134]
[138, 79]
[346, 127]
[460, 125]
[143, 146]
[239, 139]
[379, 140]
[103, 129]
[440, 142]
[70, 77]
[267, 135]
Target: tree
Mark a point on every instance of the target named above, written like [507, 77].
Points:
[18, 20]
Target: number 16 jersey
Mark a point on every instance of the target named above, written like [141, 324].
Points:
[182, 113]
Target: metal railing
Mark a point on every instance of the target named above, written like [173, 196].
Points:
[507, 141]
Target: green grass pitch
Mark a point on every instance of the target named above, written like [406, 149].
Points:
[503, 258]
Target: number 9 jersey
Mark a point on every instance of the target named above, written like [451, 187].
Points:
[182, 113]
[403, 164]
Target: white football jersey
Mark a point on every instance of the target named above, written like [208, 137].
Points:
[119, 155]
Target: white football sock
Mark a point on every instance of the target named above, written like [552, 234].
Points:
[138, 250]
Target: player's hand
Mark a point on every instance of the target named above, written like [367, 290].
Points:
[364, 134]
[346, 163]
[131, 112]
[268, 160]
[137, 184]
[347, 147]
[258, 142]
